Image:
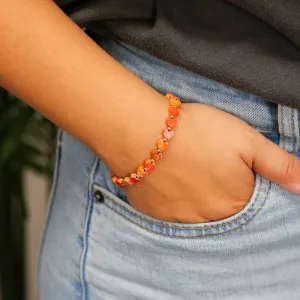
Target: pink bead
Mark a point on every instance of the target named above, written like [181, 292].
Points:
[168, 134]
[134, 178]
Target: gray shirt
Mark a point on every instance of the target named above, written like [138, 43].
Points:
[253, 45]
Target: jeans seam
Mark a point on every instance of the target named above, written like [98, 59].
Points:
[82, 273]
[264, 129]
[296, 131]
[282, 127]
[197, 236]
[293, 133]
[53, 192]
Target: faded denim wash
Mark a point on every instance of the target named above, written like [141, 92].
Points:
[97, 247]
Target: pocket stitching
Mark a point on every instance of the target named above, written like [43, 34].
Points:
[186, 228]
[177, 227]
[188, 237]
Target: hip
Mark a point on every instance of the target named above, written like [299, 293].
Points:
[96, 246]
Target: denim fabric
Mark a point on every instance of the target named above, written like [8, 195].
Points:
[96, 250]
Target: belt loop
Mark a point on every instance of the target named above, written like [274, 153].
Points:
[288, 128]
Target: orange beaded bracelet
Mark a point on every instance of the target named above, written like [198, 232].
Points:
[156, 154]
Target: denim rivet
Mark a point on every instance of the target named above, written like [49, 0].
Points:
[99, 196]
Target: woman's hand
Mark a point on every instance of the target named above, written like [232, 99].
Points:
[206, 174]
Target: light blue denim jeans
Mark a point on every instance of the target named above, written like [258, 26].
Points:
[96, 246]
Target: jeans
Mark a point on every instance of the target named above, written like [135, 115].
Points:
[96, 246]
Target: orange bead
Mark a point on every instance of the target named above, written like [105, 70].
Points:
[127, 181]
[141, 171]
[114, 179]
[156, 155]
[162, 144]
[171, 122]
[169, 95]
[173, 100]
[174, 111]
[150, 164]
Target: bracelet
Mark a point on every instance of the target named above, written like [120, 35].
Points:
[156, 154]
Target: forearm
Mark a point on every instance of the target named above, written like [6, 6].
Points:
[51, 64]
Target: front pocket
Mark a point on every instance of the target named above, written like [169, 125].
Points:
[198, 230]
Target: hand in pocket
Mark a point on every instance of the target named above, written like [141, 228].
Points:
[207, 172]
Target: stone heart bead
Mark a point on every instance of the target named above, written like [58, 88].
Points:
[169, 95]
[162, 144]
[114, 179]
[168, 134]
[171, 122]
[150, 164]
[174, 111]
[174, 101]
[127, 181]
[141, 171]
[134, 178]
[156, 155]
[120, 183]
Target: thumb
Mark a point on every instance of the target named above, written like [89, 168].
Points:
[275, 164]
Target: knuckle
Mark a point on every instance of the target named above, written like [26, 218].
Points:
[289, 167]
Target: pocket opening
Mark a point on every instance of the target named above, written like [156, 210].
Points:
[172, 229]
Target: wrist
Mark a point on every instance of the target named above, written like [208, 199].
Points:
[132, 138]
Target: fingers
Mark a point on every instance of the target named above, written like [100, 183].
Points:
[275, 164]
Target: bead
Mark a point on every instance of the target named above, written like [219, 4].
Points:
[127, 181]
[174, 101]
[156, 154]
[134, 178]
[142, 171]
[171, 122]
[120, 183]
[114, 179]
[171, 96]
[168, 134]
[174, 110]
[162, 145]
[150, 164]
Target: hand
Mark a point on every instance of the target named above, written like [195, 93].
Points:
[207, 172]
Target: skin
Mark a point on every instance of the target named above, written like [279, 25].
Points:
[206, 174]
